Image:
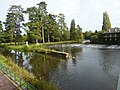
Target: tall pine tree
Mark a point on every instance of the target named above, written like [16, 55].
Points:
[72, 30]
[34, 25]
[13, 23]
[42, 6]
[106, 22]
[62, 27]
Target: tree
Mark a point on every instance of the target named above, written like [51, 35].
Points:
[52, 29]
[88, 34]
[34, 25]
[42, 6]
[79, 33]
[72, 30]
[1, 27]
[24, 38]
[94, 39]
[106, 22]
[1, 33]
[13, 22]
[75, 32]
[62, 27]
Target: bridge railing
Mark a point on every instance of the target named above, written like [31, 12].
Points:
[21, 83]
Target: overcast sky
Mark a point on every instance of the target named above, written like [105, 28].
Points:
[87, 13]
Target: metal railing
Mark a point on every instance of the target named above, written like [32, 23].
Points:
[21, 83]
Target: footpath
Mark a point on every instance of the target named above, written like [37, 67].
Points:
[6, 84]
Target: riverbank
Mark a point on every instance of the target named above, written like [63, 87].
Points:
[41, 48]
[27, 76]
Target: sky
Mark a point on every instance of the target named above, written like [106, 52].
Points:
[87, 13]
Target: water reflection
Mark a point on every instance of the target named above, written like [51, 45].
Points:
[39, 64]
[22, 59]
[69, 48]
[43, 65]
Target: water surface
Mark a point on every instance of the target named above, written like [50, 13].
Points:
[89, 67]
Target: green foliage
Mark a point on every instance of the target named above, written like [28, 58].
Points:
[26, 48]
[72, 30]
[41, 26]
[62, 42]
[1, 27]
[42, 7]
[2, 34]
[24, 38]
[79, 35]
[87, 34]
[34, 24]
[62, 27]
[52, 32]
[13, 23]
[97, 37]
[106, 22]
[94, 39]
[16, 48]
[75, 32]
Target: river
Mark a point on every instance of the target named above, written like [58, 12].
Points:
[89, 67]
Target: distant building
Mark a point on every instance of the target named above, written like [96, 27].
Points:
[112, 36]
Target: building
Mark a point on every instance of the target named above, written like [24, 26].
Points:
[112, 36]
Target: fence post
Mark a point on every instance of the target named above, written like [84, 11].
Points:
[10, 73]
[14, 76]
[27, 86]
[20, 83]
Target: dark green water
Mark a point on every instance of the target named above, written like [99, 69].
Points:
[87, 68]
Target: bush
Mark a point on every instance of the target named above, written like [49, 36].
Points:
[26, 48]
[94, 39]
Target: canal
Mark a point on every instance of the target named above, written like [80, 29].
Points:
[89, 67]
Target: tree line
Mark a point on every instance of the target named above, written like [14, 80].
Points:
[97, 36]
[41, 26]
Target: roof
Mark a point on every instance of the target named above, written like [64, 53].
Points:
[116, 29]
[113, 30]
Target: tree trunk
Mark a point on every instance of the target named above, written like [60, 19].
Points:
[43, 30]
[15, 42]
[43, 33]
[48, 37]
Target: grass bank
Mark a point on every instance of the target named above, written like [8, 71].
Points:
[42, 48]
[19, 47]
[41, 84]
[63, 42]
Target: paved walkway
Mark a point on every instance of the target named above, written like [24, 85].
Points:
[5, 84]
